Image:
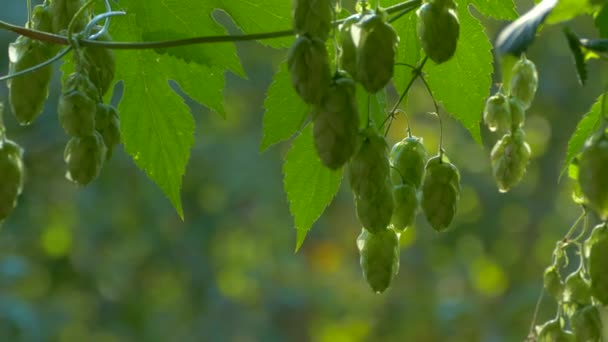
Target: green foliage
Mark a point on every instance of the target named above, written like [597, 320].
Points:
[586, 126]
[285, 111]
[309, 185]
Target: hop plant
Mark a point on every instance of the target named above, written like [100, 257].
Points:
[107, 123]
[497, 113]
[379, 258]
[28, 93]
[84, 157]
[438, 29]
[525, 81]
[77, 108]
[99, 64]
[552, 331]
[348, 49]
[553, 283]
[312, 18]
[408, 159]
[309, 68]
[336, 123]
[587, 324]
[592, 171]
[598, 254]
[370, 183]
[440, 192]
[510, 157]
[405, 206]
[62, 12]
[11, 176]
[376, 52]
[518, 112]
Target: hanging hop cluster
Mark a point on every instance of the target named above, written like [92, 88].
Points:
[505, 112]
[93, 125]
[388, 192]
[592, 171]
[581, 296]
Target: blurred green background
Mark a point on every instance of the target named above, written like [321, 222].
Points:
[113, 261]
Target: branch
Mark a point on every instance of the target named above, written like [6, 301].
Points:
[401, 8]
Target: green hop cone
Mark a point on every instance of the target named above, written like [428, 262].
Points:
[107, 123]
[408, 159]
[84, 157]
[518, 112]
[552, 331]
[100, 64]
[309, 68]
[497, 113]
[405, 206]
[348, 49]
[592, 171]
[524, 81]
[376, 52]
[62, 12]
[11, 173]
[598, 258]
[369, 167]
[312, 17]
[375, 212]
[370, 183]
[577, 289]
[41, 19]
[336, 123]
[553, 283]
[440, 192]
[438, 30]
[510, 157]
[587, 324]
[28, 92]
[379, 258]
[77, 106]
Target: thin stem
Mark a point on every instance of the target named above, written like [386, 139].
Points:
[536, 310]
[415, 73]
[62, 40]
[428, 88]
[29, 13]
[62, 53]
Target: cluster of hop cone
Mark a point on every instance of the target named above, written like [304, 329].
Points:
[388, 191]
[94, 126]
[505, 112]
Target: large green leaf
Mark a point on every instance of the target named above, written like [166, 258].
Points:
[463, 83]
[285, 111]
[408, 51]
[309, 185]
[588, 124]
[157, 128]
[601, 21]
[502, 9]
